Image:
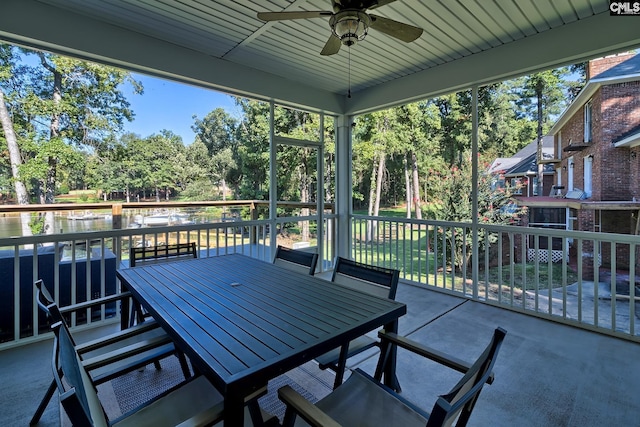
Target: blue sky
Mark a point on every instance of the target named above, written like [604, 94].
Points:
[170, 105]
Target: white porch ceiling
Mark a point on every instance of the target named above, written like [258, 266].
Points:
[224, 46]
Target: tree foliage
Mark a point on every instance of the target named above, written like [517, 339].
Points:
[495, 206]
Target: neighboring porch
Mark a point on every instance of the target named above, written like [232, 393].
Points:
[547, 374]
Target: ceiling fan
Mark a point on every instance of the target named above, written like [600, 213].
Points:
[350, 22]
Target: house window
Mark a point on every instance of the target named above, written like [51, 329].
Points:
[588, 175]
[559, 146]
[535, 186]
[516, 187]
[587, 122]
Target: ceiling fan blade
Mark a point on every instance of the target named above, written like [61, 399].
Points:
[283, 16]
[379, 3]
[401, 31]
[358, 4]
[332, 46]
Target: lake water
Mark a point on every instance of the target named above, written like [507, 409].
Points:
[10, 224]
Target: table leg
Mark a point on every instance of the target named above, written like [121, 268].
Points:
[342, 365]
[125, 313]
[255, 413]
[233, 411]
[390, 378]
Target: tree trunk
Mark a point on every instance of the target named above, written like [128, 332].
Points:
[407, 185]
[416, 185]
[304, 226]
[15, 159]
[157, 194]
[379, 178]
[376, 206]
[372, 192]
[224, 189]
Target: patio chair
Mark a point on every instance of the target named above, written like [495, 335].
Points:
[296, 260]
[193, 402]
[152, 254]
[379, 281]
[365, 401]
[156, 254]
[113, 355]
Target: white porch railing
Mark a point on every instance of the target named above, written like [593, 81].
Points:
[592, 286]
[579, 278]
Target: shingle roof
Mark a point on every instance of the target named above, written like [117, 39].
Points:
[520, 162]
[629, 67]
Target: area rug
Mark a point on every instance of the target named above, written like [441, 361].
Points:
[130, 391]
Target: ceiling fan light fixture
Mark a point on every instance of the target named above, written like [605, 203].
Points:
[350, 26]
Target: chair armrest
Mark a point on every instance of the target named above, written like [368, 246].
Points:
[94, 302]
[301, 406]
[428, 352]
[125, 352]
[117, 336]
[205, 418]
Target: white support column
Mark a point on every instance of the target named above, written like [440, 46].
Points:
[343, 185]
[273, 181]
[475, 262]
[320, 192]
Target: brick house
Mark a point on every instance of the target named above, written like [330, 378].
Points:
[596, 162]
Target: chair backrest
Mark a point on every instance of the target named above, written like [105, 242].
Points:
[46, 302]
[459, 402]
[379, 281]
[161, 253]
[78, 394]
[301, 261]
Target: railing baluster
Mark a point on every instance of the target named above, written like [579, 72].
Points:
[550, 274]
[580, 305]
[596, 282]
[632, 289]
[614, 281]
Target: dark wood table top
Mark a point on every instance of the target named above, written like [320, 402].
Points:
[243, 321]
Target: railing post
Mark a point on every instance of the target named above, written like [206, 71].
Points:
[116, 216]
[116, 224]
[253, 230]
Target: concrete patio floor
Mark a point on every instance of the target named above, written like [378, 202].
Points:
[547, 374]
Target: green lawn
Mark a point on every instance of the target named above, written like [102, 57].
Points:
[407, 249]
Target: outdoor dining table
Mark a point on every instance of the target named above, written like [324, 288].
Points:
[243, 321]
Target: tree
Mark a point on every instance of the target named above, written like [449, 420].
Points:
[252, 157]
[495, 206]
[502, 131]
[542, 97]
[60, 102]
[377, 129]
[417, 126]
[193, 172]
[7, 63]
[455, 116]
[218, 131]
[158, 159]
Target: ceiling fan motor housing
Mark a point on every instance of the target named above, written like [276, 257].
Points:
[350, 26]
